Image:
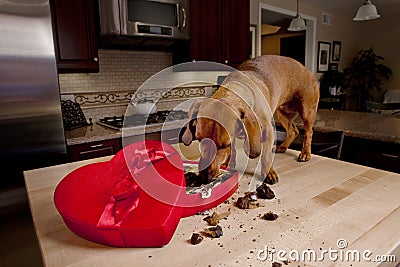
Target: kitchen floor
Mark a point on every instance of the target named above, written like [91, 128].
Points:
[18, 246]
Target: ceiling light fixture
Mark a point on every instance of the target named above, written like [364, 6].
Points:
[367, 12]
[297, 23]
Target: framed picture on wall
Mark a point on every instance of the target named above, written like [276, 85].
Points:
[337, 46]
[324, 52]
[252, 41]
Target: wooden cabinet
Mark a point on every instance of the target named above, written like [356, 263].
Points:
[74, 34]
[220, 31]
[93, 149]
[376, 154]
[112, 146]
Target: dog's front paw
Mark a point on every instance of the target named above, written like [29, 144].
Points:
[272, 177]
[304, 156]
[280, 149]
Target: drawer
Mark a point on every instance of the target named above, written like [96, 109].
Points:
[93, 149]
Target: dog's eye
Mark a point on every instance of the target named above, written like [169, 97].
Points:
[224, 146]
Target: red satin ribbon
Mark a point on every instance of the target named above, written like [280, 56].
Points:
[125, 192]
[144, 156]
[124, 198]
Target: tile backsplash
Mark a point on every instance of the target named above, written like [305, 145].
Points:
[122, 72]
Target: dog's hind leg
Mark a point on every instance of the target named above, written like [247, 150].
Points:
[286, 119]
[308, 116]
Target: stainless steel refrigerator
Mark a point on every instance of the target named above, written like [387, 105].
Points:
[31, 129]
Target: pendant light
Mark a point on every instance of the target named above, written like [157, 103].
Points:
[297, 23]
[366, 12]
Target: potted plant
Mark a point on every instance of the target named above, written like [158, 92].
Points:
[366, 73]
[334, 80]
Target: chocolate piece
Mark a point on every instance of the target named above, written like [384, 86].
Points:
[276, 264]
[270, 216]
[265, 192]
[196, 239]
[243, 202]
[215, 218]
[248, 201]
[192, 179]
[214, 231]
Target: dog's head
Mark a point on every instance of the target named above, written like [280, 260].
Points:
[215, 123]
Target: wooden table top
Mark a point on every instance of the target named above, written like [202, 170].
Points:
[319, 203]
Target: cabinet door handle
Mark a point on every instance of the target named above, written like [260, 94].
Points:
[390, 155]
[226, 61]
[94, 146]
[95, 59]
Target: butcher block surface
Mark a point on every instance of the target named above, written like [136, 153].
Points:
[321, 204]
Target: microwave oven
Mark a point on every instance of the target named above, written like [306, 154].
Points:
[156, 18]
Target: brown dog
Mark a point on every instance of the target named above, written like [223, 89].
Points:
[244, 106]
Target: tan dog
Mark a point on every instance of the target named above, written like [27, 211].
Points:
[245, 103]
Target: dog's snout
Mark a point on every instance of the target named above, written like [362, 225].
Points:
[207, 171]
[207, 168]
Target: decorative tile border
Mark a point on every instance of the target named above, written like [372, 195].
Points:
[103, 98]
[95, 100]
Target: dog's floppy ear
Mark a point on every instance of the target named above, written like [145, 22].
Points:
[253, 132]
[187, 136]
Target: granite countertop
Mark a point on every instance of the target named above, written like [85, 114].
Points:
[98, 132]
[372, 126]
[91, 133]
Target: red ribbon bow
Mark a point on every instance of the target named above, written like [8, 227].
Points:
[125, 192]
[124, 198]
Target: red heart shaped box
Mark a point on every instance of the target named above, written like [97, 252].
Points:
[151, 201]
[81, 198]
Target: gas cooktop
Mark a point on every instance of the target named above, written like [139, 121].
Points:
[134, 120]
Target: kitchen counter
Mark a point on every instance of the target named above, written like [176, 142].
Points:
[364, 125]
[372, 126]
[91, 133]
[98, 132]
[321, 203]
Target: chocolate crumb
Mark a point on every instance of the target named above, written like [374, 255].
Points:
[214, 231]
[286, 262]
[265, 192]
[215, 218]
[276, 264]
[270, 216]
[196, 239]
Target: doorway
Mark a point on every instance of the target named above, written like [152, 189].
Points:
[274, 38]
[294, 47]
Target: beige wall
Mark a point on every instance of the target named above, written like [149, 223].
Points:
[383, 33]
